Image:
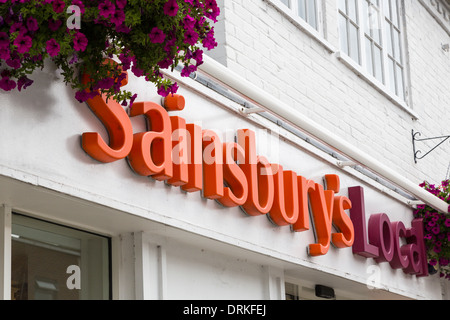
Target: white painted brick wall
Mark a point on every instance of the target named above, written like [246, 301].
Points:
[263, 45]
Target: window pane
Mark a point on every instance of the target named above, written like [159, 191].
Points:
[388, 33]
[291, 291]
[352, 9]
[400, 86]
[342, 6]
[369, 61]
[302, 9]
[375, 25]
[311, 7]
[397, 52]
[343, 34]
[391, 75]
[286, 2]
[378, 63]
[394, 13]
[354, 42]
[52, 262]
[366, 13]
[387, 9]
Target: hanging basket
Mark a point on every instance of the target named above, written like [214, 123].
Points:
[77, 35]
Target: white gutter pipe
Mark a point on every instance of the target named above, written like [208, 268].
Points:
[300, 121]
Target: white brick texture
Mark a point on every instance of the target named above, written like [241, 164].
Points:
[263, 45]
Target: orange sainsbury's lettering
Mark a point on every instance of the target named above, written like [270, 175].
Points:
[285, 206]
[212, 165]
[151, 154]
[118, 125]
[258, 172]
[187, 156]
[179, 152]
[235, 194]
[341, 220]
[305, 187]
[322, 210]
[343, 223]
[194, 149]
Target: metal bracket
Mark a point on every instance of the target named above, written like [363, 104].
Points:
[247, 111]
[415, 139]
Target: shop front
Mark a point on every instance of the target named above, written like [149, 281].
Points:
[192, 200]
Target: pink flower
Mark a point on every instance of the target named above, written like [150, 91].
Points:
[190, 37]
[80, 42]
[4, 39]
[13, 63]
[118, 17]
[7, 84]
[121, 3]
[157, 35]
[23, 83]
[5, 53]
[106, 8]
[171, 8]
[58, 6]
[32, 24]
[23, 43]
[52, 47]
[83, 95]
[209, 42]
[54, 25]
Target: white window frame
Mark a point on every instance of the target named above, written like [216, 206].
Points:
[291, 12]
[360, 68]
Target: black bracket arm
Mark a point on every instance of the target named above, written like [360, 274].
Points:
[415, 139]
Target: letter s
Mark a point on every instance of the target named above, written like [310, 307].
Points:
[118, 125]
[341, 221]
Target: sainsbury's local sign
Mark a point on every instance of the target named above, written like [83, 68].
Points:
[195, 159]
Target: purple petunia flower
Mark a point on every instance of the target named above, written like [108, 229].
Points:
[106, 8]
[23, 43]
[447, 223]
[80, 42]
[171, 8]
[24, 82]
[7, 84]
[118, 17]
[32, 24]
[54, 25]
[190, 37]
[58, 6]
[52, 47]
[121, 3]
[5, 54]
[157, 35]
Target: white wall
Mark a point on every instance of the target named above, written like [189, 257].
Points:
[264, 46]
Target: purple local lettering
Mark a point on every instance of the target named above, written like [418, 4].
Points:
[381, 239]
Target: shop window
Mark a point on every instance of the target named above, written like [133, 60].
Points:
[371, 35]
[52, 262]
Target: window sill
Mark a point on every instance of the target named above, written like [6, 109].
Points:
[380, 87]
[302, 25]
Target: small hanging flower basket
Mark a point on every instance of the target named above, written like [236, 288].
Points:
[77, 35]
[437, 230]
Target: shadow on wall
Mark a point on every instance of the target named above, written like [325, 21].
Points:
[38, 98]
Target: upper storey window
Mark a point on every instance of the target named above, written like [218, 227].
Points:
[308, 10]
[371, 35]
